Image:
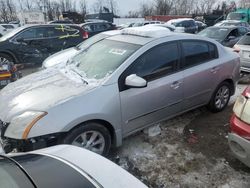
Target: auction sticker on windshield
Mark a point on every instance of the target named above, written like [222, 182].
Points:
[117, 51]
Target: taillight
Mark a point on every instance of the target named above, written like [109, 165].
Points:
[247, 92]
[85, 34]
[236, 49]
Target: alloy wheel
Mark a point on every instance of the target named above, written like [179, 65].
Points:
[91, 140]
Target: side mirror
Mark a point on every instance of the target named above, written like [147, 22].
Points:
[135, 81]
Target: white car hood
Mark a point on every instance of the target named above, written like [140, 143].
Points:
[60, 57]
[39, 92]
[105, 172]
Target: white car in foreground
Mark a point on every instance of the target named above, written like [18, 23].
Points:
[63, 167]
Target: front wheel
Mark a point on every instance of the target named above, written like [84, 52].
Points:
[220, 97]
[92, 136]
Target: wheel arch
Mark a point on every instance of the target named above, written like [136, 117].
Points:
[232, 85]
[12, 55]
[114, 137]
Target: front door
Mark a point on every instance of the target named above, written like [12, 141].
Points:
[32, 45]
[161, 98]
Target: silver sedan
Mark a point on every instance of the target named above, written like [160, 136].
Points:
[116, 87]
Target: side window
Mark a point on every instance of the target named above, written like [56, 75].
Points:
[242, 31]
[63, 31]
[234, 33]
[157, 62]
[33, 33]
[27, 34]
[197, 52]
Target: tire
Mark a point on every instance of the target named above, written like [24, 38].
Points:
[88, 134]
[220, 98]
[6, 57]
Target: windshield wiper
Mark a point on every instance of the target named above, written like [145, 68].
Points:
[75, 71]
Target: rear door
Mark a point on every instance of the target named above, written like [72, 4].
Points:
[201, 72]
[63, 36]
[162, 97]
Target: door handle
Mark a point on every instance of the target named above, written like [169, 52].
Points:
[175, 85]
[214, 70]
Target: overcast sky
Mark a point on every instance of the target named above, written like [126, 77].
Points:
[124, 6]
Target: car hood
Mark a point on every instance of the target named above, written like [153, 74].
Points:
[105, 172]
[60, 57]
[40, 91]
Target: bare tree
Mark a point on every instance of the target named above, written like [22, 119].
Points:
[112, 5]
[83, 7]
[145, 10]
[28, 4]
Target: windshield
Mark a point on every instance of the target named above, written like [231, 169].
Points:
[214, 33]
[11, 176]
[91, 41]
[103, 58]
[236, 16]
[11, 34]
[245, 40]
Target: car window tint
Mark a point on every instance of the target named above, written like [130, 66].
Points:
[28, 34]
[11, 176]
[245, 40]
[33, 33]
[88, 28]
[242, 31]
[233, 33]
[65, 31]
[157, 62]
[197, 52]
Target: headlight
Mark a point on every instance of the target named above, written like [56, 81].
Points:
[239, 105]
[245, 116]
[21, 125]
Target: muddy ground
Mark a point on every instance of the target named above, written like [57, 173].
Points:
[191, 151]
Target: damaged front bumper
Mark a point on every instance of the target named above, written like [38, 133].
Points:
[16, 145]
[240, 148]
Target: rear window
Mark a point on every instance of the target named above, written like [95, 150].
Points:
[50, 172]
[245, 40]
[11, 176]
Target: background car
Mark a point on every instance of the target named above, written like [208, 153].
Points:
[200, 25]
[233, 23]
[93, 28]
[63, 166]
[62, 22]
[139, 24]
[63, 56]
[170, 27]
[226, 35]
[243, 48]
[118, 86]
[239, 137]
[184, 25]
[33, 44]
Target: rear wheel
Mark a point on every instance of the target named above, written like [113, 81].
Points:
[220, 97]
[92, 136]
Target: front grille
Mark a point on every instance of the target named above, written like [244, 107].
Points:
[3, 127]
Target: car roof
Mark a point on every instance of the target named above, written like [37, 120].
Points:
[226, 27]
[140, 38]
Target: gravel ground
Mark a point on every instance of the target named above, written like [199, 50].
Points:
[190, 151]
